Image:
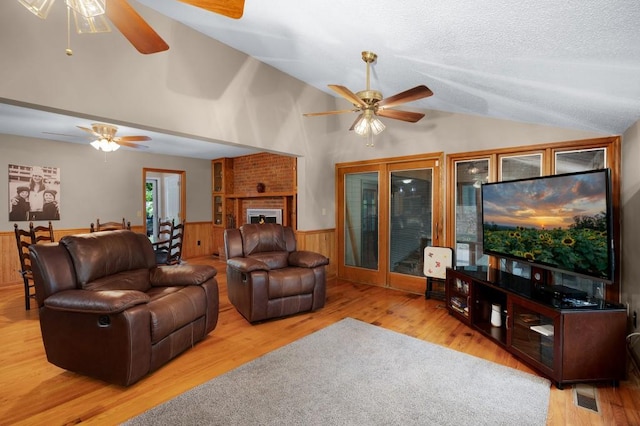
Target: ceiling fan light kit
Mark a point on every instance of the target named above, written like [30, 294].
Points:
[105, 145]
[371, 104]
[40, 8]
[91, 17]
[87, 8]
[107, 140]
[91, 25]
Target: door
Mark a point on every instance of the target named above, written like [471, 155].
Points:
[164, 197]
[387, 215]
[359, 219]
[414, 222]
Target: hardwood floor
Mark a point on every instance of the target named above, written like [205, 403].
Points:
[32, 391]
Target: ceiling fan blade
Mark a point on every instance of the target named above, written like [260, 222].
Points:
[63, 134]
[313, 114]
[132, 145]
[348, 95]
[358, 118]
[409, 116]
[230, 8]
[131, 139]
[410, 95]
[90, 131]
[134, 28]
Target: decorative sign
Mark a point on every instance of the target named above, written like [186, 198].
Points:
[34, 193]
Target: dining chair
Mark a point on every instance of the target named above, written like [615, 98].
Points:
[162, 242]
[110, 226]
[175, 247]
[24, 238]
[42, 233]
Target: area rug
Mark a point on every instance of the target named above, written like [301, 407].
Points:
[354, 373]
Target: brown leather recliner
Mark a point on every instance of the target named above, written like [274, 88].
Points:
[267, 277]
[108, 311]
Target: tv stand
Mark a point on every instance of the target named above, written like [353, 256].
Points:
[567, 339]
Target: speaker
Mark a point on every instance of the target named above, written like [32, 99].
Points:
[538, 276]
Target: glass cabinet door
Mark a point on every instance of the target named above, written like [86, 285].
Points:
[217, 209]
[533, 333]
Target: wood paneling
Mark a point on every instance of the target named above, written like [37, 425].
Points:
[10, 261]
[33, 391]
[323, 242]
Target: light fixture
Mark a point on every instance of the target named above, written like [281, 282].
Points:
[91, 25]
[87, 8]
[104, 144]
[40, 8]
[368, 124]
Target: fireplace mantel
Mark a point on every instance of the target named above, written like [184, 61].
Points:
[288, 204]
[260, 195]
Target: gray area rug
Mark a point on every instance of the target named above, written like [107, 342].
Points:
[354, 373]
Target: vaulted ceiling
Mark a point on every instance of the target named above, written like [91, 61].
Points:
[573, 64]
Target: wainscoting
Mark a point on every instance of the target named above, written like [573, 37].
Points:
[198, 242]
[323, 242]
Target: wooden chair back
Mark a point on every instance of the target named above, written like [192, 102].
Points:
[110, 226]
[24, 239]
[42, 233]
[175, 247]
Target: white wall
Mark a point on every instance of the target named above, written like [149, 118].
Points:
[93, 188]
[631, 219]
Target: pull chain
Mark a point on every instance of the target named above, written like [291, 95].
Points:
[68, 51]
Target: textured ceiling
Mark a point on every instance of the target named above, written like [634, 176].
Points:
[572, 64]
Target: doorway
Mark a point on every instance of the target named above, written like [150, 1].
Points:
[388, 212]
[164, 197]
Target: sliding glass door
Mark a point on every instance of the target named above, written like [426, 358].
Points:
[387, 216]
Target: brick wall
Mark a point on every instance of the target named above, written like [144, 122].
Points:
[276, 172]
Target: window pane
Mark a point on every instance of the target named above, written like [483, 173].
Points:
[361, 220]
[579, 161]
[470, 175]
[520, 167]
[411, 212]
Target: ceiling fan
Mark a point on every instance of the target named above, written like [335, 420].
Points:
[371, 104]
[107, 140]
[89, 17]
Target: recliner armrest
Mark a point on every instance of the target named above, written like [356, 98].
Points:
[181, 275]
[247, 264]
[95, 302]
[307, 259]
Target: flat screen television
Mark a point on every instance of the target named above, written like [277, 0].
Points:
[559, 222]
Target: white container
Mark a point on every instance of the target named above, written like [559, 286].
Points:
[496, 317]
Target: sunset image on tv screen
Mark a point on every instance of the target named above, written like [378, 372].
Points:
[560, 221]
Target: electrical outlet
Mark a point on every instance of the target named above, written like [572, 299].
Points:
[198, 242]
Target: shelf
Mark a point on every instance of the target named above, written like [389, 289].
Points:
[546, 330]
[260, 195]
